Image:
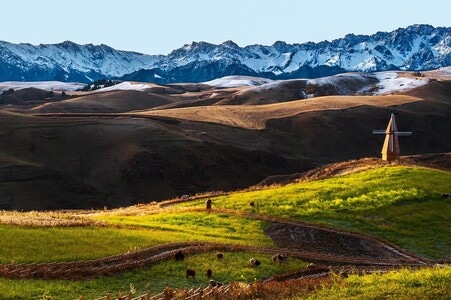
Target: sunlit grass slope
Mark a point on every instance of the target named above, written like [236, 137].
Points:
[233, 267]
[401, 204]
[200, 226]
[427, 283]
[430, 283]
[43, 244]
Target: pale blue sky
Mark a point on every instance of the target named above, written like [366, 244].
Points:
[157, 27]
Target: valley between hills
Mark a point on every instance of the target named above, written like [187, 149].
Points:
[100, 190]
[136, 142]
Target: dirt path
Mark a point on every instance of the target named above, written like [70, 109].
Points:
[335, 247]
[78, 270]
[304, 241]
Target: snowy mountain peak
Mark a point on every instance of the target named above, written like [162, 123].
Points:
[417, 47]
[229, 44]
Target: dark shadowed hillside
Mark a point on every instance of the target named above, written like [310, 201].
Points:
[54, 163]
[116, 148]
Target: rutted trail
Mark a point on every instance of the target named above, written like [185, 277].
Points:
[304, 241]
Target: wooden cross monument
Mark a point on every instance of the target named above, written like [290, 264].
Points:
[390, 150]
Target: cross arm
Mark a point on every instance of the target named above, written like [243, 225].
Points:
[379, 132]
[406, 133]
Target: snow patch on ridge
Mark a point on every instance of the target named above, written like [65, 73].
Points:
[270, 85]
[127, 86]
[444, 71]
[237, 81]
[391, 82]
[335, 79]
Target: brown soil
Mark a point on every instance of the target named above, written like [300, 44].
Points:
[440, 161]
[338, 247]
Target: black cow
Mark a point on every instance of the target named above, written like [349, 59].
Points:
[179, 256]
[254, 262]
[279, 257]
[213, 283]
[191, 273]
[208, 204]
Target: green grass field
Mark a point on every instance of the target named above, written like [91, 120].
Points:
[200, 226]
[43, 244]
[233, 267]
[431, 283]
[400, 204]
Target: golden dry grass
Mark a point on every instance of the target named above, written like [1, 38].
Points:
[255, 117]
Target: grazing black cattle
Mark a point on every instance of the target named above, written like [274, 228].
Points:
[179, 256]
[252, 204]
[446, 196]
[213, 283]
[279, 257]
[208, 204]
[191, 273]
[209, 273]
[254, 262]
[219, 255]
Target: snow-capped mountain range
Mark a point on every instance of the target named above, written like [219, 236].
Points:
[417, 47]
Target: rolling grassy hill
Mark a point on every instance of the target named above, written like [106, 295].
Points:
[121, 147]
[114, 149]
[402, 204]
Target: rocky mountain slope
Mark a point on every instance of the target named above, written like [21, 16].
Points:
[417, 47]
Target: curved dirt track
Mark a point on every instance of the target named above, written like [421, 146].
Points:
[341, 247]
[304, 241]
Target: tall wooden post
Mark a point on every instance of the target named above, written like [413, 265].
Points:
[390, 149]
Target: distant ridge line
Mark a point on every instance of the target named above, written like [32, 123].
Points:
[415, 48]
